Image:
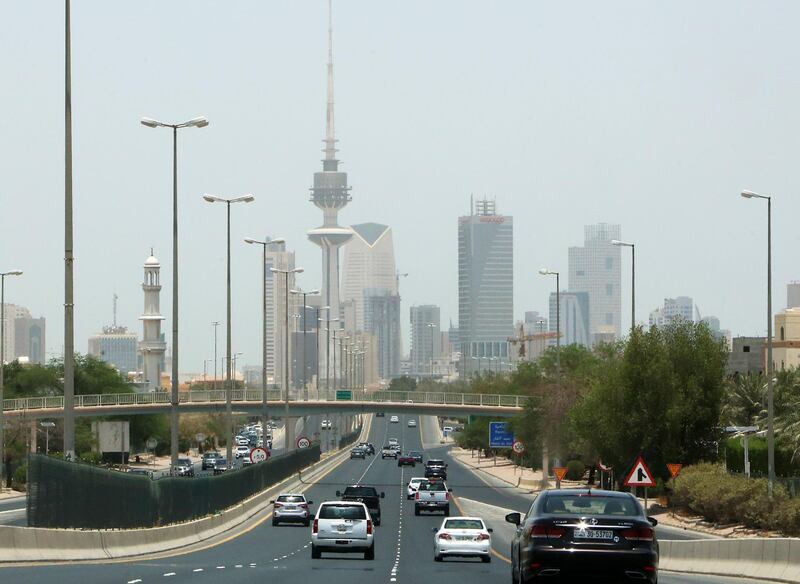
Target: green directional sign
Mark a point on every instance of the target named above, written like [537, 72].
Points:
[344, 394]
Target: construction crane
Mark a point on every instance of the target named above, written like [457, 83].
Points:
[523, 340]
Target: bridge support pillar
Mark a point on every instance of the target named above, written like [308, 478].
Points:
[289, 433]
[33, 437]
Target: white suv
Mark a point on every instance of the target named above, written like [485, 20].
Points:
[241, 451]
[343, 527]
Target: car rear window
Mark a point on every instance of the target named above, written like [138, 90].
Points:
[342, 512]
[360, 492]
[435, 463]
[463, 524]
[436, 486]
[590, 505]
[291, 499]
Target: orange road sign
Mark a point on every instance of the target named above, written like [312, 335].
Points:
[674, 469]
[560, 472]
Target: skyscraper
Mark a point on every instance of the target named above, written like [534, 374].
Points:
[425, 337]
[382, 321]
[595, 269]
[793, 295]
[674, 309]
[281, 259]
[30, 338]
[153, 346]
[574, 316]
[330, 193]
[485, 283]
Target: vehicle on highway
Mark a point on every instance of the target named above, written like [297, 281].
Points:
[394, 420]
[368, 446]
[141, 472]
[209, 458]
[380, 415]
[574, 533]
[412, 423]
[447, 429]
[367, 495]
[221, 465]
[358, 452]
[389, 452]
[241, 451]
[291, 508]
[405, 460]
[435, 469]
[246, 461]
[325, 425]
[432, 496]
[241, 440]
[462, 537]
[343, 527]
[413, 485]
[183, 468]
[416, 455]
[394, 442]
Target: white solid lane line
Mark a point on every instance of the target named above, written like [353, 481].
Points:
[135, 581]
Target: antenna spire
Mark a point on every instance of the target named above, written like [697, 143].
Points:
[330, 162]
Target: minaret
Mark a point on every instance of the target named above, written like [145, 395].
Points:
[152, 347]
[330, 193]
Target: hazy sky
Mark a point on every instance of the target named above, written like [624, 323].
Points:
[653, 115]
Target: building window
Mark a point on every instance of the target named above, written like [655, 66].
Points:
[609, 289]
[580, 273]
[746, 349]
[609, 318]
[783, 336]
[609, 263]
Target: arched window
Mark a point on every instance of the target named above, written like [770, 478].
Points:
[783, 335]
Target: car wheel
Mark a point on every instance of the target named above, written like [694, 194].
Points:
[370, 553]
[447, 511]
[413, 464]
[486, 559]
[315, 553]
[416, 510]
[437, 558]
[377, 521]
[306, 522]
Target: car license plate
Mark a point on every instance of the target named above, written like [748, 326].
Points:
[594, 534]
[287, 508]
[464, 538]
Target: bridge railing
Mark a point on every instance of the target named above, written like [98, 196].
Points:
[273, 396]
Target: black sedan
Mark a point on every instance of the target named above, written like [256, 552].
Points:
[583, 533]
[358, 452]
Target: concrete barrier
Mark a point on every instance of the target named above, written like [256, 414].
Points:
[758, 558]
[28, 544]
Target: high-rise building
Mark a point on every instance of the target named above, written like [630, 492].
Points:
[330, 194]
[595, 269]
[425, 337]
[12, 313]
[279, 258]
[117, 347]
[382, 321]
[574, 319]
[29, 339]
[153, 346]
[673, 310]
[793, 295]
[485, 284]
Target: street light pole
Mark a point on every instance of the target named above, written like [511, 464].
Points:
[215, 324]
[305, 328]
[633, 278]
[264, 244]
[770, 366]
[3, 363]
[546, 272]
[199, 122]
[228, 405]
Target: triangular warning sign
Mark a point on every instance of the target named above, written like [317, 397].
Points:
[640, 475]
[560, 472]
[674, 469]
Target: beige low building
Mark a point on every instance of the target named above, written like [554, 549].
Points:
[786, 342]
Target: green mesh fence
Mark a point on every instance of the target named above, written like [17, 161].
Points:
[348, 439]
[75, 495]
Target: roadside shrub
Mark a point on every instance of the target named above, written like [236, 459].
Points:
[720, 497]
[575, 470]
[21, 475]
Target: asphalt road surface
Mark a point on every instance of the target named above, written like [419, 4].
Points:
[403, 542]
[12, 512]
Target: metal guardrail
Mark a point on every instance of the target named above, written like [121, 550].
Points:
[273, 396]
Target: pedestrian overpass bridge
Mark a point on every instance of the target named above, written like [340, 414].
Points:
[250, 402]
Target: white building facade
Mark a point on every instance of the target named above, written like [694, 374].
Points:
[153, 346]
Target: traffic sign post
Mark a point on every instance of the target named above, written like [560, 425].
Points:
[518, 447]
[674, 469]
[303, 442]
[560, 472]
[344, 394]
[258, 455]
[640, 476]
[500, 435]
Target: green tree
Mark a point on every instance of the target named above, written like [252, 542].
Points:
[403, 383]
[744, 400]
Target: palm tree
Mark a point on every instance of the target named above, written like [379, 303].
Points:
[744, 403]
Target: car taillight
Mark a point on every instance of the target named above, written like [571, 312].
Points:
[315, 527]
[638, 534]
[545, 531]
[447, 496]
[369, 527]
[482, 537]
[416, 496]
[304, 505]
[445, 536]
[278, 505]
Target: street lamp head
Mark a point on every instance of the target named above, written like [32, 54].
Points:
[150, 123]
[251, 240]
[13, 273]
[619, 243]
[243, 199]
[212, 199]
[748, 194]
[277, 240]
[199, 122]
[298, 270]
[546, 272]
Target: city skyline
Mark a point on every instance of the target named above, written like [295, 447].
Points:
[673, 156]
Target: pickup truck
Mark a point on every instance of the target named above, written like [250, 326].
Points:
[406, 460]
[388, 452]
[432, 496]
[367, 495]
[436, 469]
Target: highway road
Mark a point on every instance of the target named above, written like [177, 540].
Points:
[12, 512]
[403, 542]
